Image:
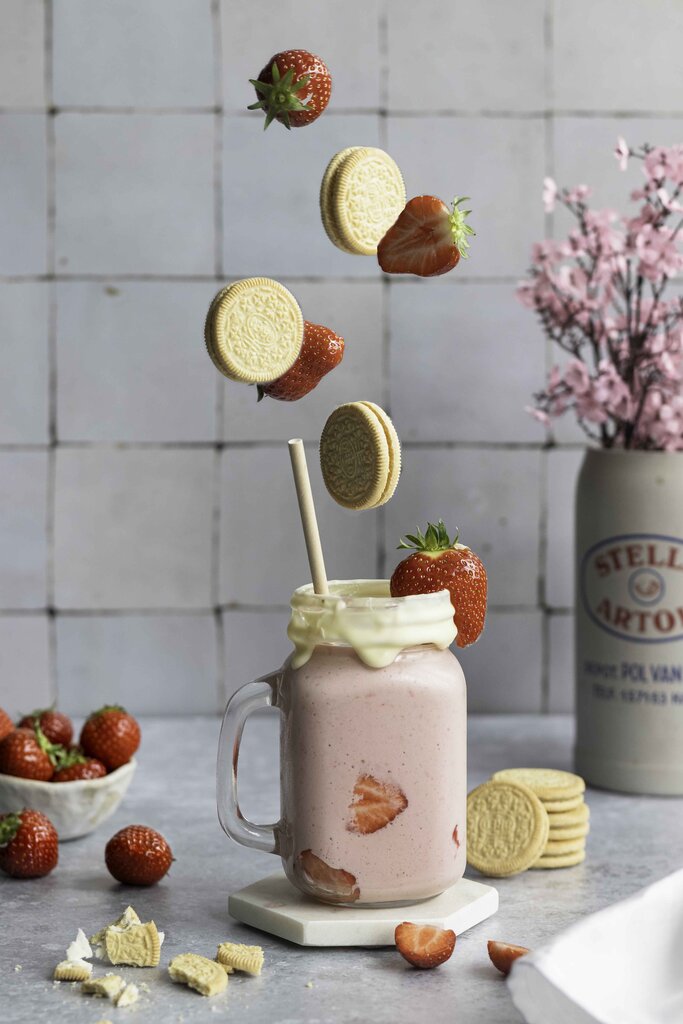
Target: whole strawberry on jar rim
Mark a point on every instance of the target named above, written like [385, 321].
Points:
[294, 88]
[439, 563]
[111, 736]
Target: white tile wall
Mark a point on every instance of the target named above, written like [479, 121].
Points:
[22, 68]
[148, 528]
[23, 362]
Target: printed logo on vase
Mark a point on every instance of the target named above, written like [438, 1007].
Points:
[632, 587]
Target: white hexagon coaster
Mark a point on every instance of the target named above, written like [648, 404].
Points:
[275, 906]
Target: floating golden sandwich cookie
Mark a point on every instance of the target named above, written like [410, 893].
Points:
[138, 945]
[72, 970]
[547, 783]
[361, 196]
[360, 456]
[568, 860]
[254, 330]
[327, 189]
[203, 975]
[507, 828]
[248, 959]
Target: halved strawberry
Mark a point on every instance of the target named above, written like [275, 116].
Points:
[331, 884]
[321, 351]
[375, 804]
[423, 945]
[503, 954]
[428, 239]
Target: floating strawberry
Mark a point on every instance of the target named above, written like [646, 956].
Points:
[293, 88]
[332, 884]
[56, 726]
[28, 754]
[137, 855]
[437, 563]
[424, 945]
[428, 239]
[503, 955]
[321, 351]
[111, 735]
[29, 847]
[74, 767]
[6, 725]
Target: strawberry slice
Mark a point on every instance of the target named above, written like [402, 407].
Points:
[423, 945]
[375, 804]
[332, 884]
[455, 838]
[503, 954]
[428, 239]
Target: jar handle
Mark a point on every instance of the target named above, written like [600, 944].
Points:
[261, 693]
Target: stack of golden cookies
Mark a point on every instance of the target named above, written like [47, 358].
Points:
[527, 818]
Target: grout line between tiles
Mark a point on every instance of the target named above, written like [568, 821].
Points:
[496, 113]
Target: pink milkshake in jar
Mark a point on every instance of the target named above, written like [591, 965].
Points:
[373, 748]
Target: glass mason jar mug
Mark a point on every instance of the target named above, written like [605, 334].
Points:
[372, 748]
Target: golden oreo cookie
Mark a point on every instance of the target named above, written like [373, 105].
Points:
[569, 819]
[364, 196]
[355, 456]
[561, 806]
[567, 860]
[327, 188]
[203, 975]
[571, 832]
[507, 828]
[547, 783]
[254, 330]
[559, 847]
[394, 453]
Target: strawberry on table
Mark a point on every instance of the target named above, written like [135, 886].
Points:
[424, 945]
[137, 855]
[28, 754]
[437, 563]
[29, 847]
[293, 88]
[56, 726]
[6, 724]
[111, 735]
[321, 351]
[503, 954]
[428, 239]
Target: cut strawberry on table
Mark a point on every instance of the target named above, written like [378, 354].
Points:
[293, 88]
[6, 725]
[428, 239]
[503, 954]
[321, 351]
[437, 563]
[29, 847]
[57, 726]
[111, 735]
[28, 754]
[138, 855]
[333, 884]
[375, 804]
[424, 945]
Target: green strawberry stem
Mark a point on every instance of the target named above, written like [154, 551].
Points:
[55, 751]
[103, 710]
[39, 712]
[460, 229]
[435, 538]
[9, 826]
[279, 98]
[69, 758]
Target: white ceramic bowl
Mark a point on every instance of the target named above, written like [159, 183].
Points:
[74, 808]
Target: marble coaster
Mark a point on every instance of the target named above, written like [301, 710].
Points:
[273, 905]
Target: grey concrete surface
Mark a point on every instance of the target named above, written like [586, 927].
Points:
[633, 841]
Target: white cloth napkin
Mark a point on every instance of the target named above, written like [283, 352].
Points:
[623, 965]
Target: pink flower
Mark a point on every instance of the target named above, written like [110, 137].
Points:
[549, 194]
[622, 153]
[579, 193]
[538, 414]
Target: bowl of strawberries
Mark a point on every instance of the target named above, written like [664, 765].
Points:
[77, 786]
